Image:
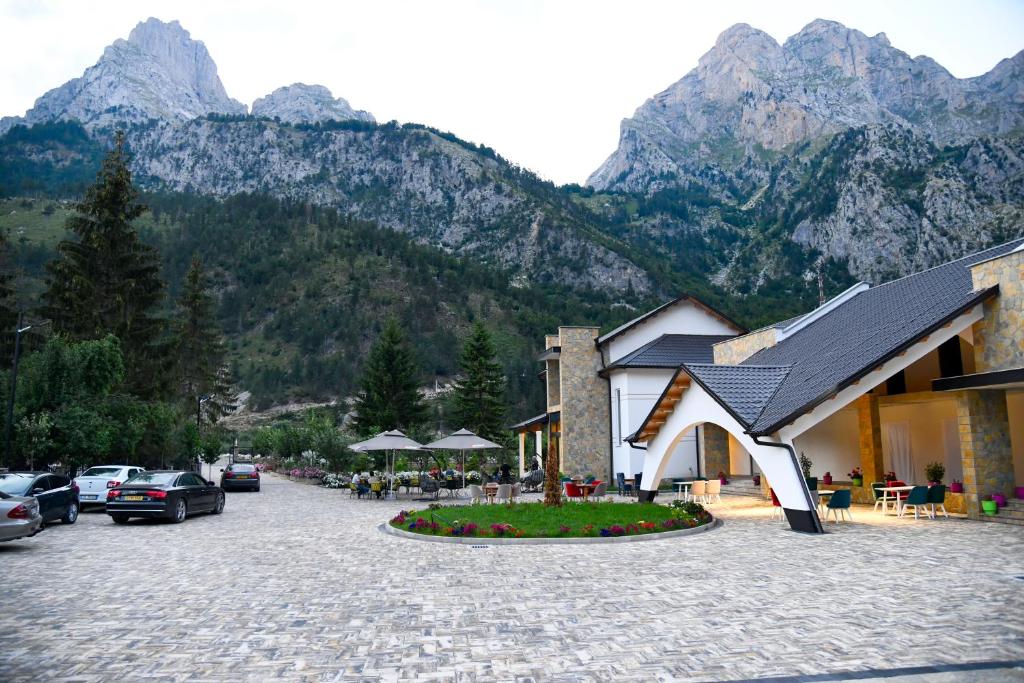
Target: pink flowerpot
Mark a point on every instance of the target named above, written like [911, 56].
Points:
[1000, 499]
[956, 487]
[1019, 492]
[827, 480]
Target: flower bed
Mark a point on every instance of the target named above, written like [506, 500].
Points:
[534, 520]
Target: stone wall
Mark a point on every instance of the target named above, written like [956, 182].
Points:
[984, 446]
[999, 337]
[714, 450]
[735, 351]
[586, 436]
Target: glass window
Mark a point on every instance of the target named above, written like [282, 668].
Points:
[242, 468]
[189, 479]
[15, 484]
[152, 478]
[102, 472]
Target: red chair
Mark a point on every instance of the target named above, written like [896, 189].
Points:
[901, 494]
[776, 505]
[572, 491]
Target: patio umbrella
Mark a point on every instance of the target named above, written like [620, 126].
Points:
[390, 441]
[462, 440]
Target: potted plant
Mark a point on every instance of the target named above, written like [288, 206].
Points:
[722, 478]
[1019, 492]
[934, 472]
[856, 477]
[827, 479]
[999, 499]
[805, 467]
[956, 486]
[889, 476]
[989, 506]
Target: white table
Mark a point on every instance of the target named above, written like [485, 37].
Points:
[680, 492]
[823, 497]
[895, 498]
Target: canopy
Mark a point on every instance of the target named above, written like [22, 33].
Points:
[462, 440]
[393, 440]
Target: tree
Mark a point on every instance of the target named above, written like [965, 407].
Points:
[479, 396]
[8, 304]
[209, 449]
[107, 281]
[200, 365]
[389, 396]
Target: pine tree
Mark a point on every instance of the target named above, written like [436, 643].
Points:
[479, 396]
[107, 281]
[201, 366]
[389, 396]
[8, 304]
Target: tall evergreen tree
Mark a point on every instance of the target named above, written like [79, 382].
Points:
[479, 396]
[201, 367]
[8, 304]
[107, 281]
[389, 396]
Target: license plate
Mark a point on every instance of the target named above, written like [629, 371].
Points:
[133, 497]
[242, 476]
[88, 497]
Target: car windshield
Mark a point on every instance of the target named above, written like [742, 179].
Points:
[101, 471]
[243, 468]
[15, 484]
[153, 478]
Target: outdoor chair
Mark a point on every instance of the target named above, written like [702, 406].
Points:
[624, 488]
[698, 491]
[352, 490]
[900, 495]
[572, 491]
[377, 487]
[713, 490]
[600, 491]
[430, 486]
[839, 505]
[918, 497]
[476, 494]
[879, 496]
[937, 496]
[517, 491]
[637, 480]
[776, 505]
[504, 493]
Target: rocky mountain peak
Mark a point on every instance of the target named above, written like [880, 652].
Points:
[301, 103]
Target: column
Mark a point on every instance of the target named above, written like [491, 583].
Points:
[714, 450]
[869, 429]
[522, 453]
[984, 446]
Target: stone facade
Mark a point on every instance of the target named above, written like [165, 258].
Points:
[714, 450]
[984, 446]
[999, 337]
[586, 422]
[869, 430]
[735, 351]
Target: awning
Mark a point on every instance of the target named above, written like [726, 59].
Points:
[996, 379]
[526, 425]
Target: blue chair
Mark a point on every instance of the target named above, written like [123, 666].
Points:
[839, 505]
[620, 483]
[637, 478]
[918, 497]
[937, 496]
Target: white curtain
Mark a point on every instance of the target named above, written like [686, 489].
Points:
[951, 442]
[900, 461]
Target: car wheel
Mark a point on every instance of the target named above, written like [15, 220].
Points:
[180, 512]
[119, 519]
[71, 514]
[218, 507]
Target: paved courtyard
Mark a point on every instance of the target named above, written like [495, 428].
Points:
[297, 583]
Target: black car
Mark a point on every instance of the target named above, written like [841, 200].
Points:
[172, 494]
[241, 475]
[57, 495]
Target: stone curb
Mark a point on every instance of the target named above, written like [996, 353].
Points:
[386, 528]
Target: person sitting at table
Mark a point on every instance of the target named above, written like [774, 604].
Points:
[506, 475]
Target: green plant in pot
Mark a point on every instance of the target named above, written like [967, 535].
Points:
[989, 506]
[856, 477]
[805, 467]
[934, 472]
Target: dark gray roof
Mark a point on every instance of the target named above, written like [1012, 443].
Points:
[671, 351]
[626, 327]
[872, 327]
[743, 390]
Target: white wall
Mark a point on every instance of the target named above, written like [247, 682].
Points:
[683, 318]
[633, 394]
[833, 445]
[927, 443]
[1015, 409]
[739, 459]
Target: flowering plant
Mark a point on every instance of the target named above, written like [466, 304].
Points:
[856, 473]
[563, 529]
[502, 529]
[890, 476]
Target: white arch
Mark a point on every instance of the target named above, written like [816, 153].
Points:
[695, 407]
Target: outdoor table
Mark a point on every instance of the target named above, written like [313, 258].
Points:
[491, 490]
[895, 491]
[680, 493]
[823, 497]
[586, 490]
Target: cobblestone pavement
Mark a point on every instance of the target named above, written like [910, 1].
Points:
[297, 583]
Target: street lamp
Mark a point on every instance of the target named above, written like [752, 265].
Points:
[18, 330]
[200, 400]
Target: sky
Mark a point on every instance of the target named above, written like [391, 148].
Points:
[545, 83]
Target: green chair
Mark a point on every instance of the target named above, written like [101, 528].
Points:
[879, 496]
[918, 497]
[937, 496]
[839, 505]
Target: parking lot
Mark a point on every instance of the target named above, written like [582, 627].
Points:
[297, 583]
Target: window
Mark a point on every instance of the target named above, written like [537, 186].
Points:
[618, 412]
[101, 471]
[154, 478]
[242, 468]
[189, 479]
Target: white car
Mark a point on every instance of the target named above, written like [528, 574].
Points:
[94, 483]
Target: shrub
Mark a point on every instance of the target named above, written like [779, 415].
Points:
[934, 471]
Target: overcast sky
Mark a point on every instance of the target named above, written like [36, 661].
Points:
[544, 83]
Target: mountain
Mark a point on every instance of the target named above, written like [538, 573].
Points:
[301, 103]
[158, 73]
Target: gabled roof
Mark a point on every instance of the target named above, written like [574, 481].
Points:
[670, 351]
[622, 329]
[743, 390]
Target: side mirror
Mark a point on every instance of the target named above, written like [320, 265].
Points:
[211, 483]
[36, 491]
[221, 469]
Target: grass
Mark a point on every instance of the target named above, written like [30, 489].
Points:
[534, 520]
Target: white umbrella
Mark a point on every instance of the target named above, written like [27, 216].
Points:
[462, 440]
[392, 441]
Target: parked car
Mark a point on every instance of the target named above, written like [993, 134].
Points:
[56, 495]
[94, 482]
[240, 475]
[19, 517]
[172, 494]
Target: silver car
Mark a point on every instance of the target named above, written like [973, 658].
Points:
[94, 483]
[19, 517]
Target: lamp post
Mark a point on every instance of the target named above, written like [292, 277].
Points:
[18, 330]
[200, 400]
